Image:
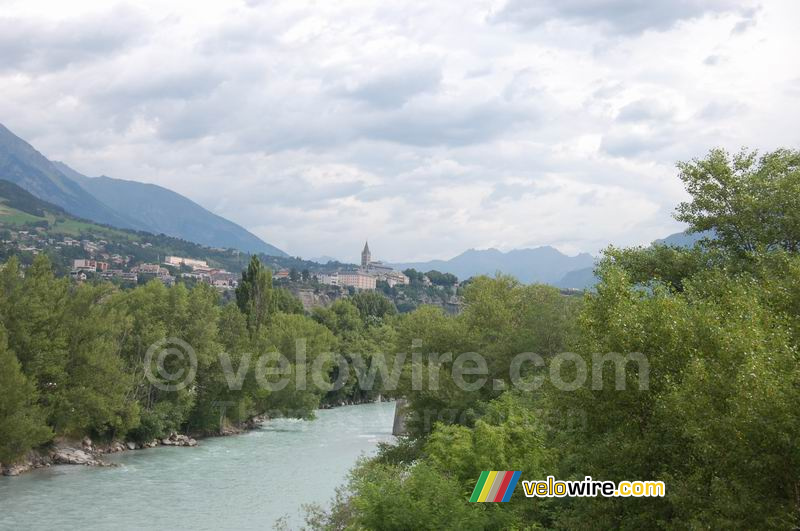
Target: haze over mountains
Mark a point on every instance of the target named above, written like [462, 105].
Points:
[540, 264]
[121, 203]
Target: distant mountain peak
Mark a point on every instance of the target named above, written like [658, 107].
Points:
[544, 264]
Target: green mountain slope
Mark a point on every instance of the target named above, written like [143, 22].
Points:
[161, 210]
[119, 203]
[21, 164]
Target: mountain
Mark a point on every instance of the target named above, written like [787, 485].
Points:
[324, 259]
[585, 279]
[540, 264]
[684, 239]
[46, 224]
[120, 203]
[15, 202]
[163, 211]
[26, 167]
[578, 279]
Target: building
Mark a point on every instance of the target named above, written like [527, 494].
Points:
[121, 275]
[331, 280]
[150, 269]
[89, 265]
[393, 278]
[381, 271]
[189, 262]
[366, 256]
[357, 279]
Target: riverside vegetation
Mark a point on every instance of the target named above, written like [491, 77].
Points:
[718, 423]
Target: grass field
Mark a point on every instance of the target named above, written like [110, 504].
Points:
[61, 225]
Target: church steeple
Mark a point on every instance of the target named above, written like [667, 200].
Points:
[366, 257]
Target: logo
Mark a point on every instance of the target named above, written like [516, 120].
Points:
[494, 486]
[179, 378]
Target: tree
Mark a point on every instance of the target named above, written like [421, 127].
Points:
[285, 302]
[438, 278]
[747, 201]
[22, 425]
[413, 275]
[373, 304]
[254, 294]
[85, 402]
[661, 263]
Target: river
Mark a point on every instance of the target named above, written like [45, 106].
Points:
[244, 481]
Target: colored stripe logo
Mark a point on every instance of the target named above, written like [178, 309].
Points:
[495, 486]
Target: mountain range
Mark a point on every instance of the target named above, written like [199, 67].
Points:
[585, 278]
[120, 203]
[540, 264]
[545, 265]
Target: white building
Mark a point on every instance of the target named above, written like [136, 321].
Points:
[189, 262]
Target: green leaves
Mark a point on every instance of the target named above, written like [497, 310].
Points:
[22, 424]
[749, 202]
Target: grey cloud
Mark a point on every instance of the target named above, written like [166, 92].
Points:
[632, 144]
[438, 125]
[240, 114]
[510, 191]
[717, 110]
[748, 20]
[620, 16]
[643, 111]
[35, 46]
[395, 87]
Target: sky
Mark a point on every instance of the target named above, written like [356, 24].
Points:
[426, 127]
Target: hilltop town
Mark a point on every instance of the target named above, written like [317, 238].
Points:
[100, 254]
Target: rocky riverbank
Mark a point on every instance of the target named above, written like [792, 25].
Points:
[86, 453]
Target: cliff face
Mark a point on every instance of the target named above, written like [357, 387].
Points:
[400, 412]
[312, 300]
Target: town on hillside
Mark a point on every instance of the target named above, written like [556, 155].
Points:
[91, 258]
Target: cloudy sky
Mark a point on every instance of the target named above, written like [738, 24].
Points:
[428, 129]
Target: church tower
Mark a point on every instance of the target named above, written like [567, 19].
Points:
[366, 257]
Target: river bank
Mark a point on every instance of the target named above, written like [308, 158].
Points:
[87, 453]
[243, 482]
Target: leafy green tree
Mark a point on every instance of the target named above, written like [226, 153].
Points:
[22, 424]
[308, 347]
[749, 202]
[373, 304]
[341, 318]
[391, 497]
[254, 294]
[661, 263]
[441, 279]
[285, 302]
[413, 275]
[85, 402]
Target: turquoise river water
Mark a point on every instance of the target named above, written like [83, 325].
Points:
[245, 481]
